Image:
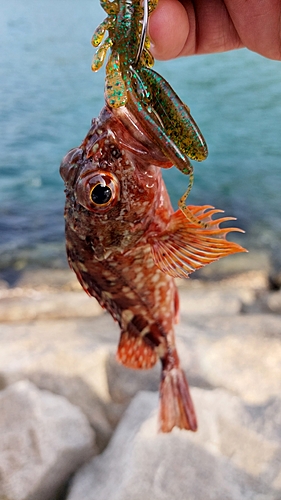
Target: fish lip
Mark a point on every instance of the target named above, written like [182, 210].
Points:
[142, 144]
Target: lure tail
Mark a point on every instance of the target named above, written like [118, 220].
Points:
[176, 406]
[174, 115]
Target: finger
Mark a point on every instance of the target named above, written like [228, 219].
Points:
[206, 26]
[191, 27]
[258, 25]
[168, 29]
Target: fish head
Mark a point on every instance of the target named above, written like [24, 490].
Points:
[113, 185]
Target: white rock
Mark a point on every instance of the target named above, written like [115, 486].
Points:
[46, 305]
[238, 263]
[240, 353]
[231, 457]
[76, 359]
[67, 357]
[205, 301]
[44, 439]
[273, 302]
[124, 382]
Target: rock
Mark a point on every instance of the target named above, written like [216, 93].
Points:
[239, 263]
[66, 357]
[267, 302]
[272, 302]
[210, 302]
[46, 305]
[240, 353]
[231, 295]
[124, 383]
[48, 280]
[75, 358]
[44, 439]
[235, 455]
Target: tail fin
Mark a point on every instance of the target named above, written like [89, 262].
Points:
[176, 407]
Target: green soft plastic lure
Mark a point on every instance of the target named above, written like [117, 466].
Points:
[131, 82]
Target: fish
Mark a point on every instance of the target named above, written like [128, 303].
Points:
[127, 245]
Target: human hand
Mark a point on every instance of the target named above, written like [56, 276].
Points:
[204, 26]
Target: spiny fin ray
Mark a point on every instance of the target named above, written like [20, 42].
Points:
[186, 246]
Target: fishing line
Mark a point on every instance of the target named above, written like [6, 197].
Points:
[143, 32]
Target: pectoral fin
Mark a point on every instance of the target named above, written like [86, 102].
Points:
[186, 245]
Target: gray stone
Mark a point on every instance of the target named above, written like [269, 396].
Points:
[273, 302]
[124, 383]
[48, 279]
[48, 305]
[240, 353]
[235, 455]
[230, 295]
[211, 301]
[76, 359]
[239, 263]
[68, 358]
[44, 439]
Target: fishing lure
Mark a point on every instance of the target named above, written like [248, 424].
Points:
[132, 84]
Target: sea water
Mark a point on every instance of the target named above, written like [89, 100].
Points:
[48, 96]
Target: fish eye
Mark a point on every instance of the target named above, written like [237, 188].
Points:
[101, 195]
[98, 191]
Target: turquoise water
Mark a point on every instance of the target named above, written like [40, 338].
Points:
[48, 96]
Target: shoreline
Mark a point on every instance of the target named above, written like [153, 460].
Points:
[35, 273]
[16, 262]
[241, 283]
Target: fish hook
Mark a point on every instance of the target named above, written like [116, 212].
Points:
[143, 32]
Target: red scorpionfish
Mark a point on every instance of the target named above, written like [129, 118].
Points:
[126, 244]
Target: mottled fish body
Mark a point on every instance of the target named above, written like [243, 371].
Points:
[126, 244]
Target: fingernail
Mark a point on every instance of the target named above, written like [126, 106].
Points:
[152, 44]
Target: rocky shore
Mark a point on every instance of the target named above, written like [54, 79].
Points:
[75, 425]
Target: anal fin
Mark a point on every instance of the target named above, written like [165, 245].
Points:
[135, 352]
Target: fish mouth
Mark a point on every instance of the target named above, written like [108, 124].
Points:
[142, 144]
